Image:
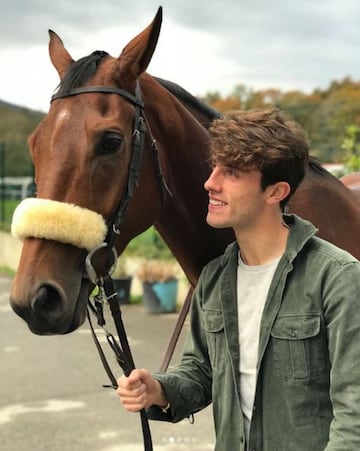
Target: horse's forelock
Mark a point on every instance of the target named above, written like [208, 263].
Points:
[81, 71]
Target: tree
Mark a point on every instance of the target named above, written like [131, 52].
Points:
[16, 124]
[351, 147]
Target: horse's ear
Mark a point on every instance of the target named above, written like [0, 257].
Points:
[138, 52]
[59, 56]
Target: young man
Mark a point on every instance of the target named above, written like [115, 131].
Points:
[275, 322]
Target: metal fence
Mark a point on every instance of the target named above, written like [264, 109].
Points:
[12, 189]
[16, 188]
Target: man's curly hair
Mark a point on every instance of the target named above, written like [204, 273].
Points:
[266, 140]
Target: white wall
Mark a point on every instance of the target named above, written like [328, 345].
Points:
[10, 249]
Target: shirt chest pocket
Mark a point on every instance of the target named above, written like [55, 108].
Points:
[299, 346]
[213, 324]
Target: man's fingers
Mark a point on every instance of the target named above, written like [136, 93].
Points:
[137, 390]
[131, 390]
[133, 400]
[134, 379]
[134, 404]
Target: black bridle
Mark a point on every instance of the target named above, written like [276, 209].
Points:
[138, 139]
[104, 283]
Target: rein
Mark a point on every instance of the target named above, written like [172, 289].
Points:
[121, 349]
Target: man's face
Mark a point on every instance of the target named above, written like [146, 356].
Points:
[236, 198]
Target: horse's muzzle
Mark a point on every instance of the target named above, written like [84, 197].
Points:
[48, 311]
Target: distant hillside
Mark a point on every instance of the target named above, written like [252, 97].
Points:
[16, 124]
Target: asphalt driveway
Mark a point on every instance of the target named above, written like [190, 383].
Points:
[51, 395]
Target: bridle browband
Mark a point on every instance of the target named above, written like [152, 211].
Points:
[105, 285]
[100, 89]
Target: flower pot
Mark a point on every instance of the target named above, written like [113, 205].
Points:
[122, 287]
[160, 297]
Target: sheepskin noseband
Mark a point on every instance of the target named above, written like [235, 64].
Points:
[58, 221]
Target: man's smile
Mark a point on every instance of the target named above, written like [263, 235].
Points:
[216, 202]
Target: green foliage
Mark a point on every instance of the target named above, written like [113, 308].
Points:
[150, 245]
[16, 124]
[7, 207]
[351, 147]
[6, 271]
[135, 298]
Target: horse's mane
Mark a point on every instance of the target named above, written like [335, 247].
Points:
[316, 166]
[81, 71]
[189, 99]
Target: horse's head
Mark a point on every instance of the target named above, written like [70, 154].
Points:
[84, 168]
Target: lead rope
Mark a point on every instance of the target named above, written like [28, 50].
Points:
[176, 332]
[121, 350]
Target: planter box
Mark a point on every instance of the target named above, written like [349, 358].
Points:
[123, 288]
[160, 297]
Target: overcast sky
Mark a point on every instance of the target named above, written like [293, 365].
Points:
[204, 45]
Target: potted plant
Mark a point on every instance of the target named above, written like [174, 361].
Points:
[122, 281]
[160, 285]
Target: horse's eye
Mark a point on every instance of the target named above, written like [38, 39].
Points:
[110, 143]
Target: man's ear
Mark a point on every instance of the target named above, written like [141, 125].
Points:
[277, 192]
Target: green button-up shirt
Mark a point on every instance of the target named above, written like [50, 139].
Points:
[308, 373]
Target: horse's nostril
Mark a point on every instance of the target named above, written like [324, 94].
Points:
[49, 311]
[47, 301]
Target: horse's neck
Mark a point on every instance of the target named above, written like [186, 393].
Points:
[191, 240]
[182, 223]
[331, 207]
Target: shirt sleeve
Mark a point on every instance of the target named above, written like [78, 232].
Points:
[188, 385]
[342, 314]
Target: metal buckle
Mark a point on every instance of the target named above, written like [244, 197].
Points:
[92, 275]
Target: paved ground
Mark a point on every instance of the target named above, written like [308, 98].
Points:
[51, 397]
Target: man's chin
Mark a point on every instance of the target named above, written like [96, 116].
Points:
[216, 224]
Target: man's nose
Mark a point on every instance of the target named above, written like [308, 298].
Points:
[212, 182]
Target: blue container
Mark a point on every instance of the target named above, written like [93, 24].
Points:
[160, 297]
[167, 294]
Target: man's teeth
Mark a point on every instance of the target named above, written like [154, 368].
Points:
[217, 203]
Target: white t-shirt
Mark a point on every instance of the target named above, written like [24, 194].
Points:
[253, 284]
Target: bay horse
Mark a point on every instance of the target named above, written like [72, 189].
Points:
[91, 188]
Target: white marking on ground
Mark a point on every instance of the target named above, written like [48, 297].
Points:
[9, 413]
[11, 349]
[106, 435]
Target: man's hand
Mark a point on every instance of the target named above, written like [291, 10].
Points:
[140, 390]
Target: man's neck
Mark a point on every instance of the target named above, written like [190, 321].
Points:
[263, 243]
